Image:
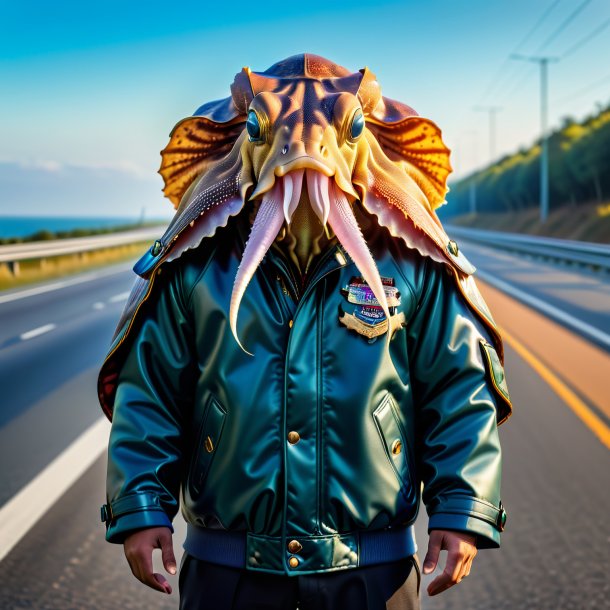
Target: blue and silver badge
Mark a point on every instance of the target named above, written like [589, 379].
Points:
[368, 318]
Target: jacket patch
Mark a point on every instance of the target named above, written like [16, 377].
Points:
[367, 317]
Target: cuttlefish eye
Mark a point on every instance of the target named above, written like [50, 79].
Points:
[357, 125]
[253, 127]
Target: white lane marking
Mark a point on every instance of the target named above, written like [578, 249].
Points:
[24, 510]
[98, 305]
[119, 297]
[574, 323]
[37, 331]
[13, 296]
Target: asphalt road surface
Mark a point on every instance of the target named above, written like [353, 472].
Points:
[555, 550]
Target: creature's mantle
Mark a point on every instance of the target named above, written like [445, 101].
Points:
[395, 170]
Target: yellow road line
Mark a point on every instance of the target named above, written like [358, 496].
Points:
[590, 419]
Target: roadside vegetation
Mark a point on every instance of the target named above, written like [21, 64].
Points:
[55, 267]
[507, 192]
[42, 270]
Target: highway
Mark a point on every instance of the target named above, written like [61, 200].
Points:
[556, 472]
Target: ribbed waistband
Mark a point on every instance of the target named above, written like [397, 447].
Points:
[300, 554]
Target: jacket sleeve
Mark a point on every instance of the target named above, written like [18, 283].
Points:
[153, 398]
[458, 453]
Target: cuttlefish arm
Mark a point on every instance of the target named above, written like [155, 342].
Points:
[307, 123]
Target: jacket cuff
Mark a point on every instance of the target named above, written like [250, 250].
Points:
[472, 515]
[133, 512]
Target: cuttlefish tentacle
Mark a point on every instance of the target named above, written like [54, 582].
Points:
[343, 222]
[318, 195]
[278, 204]
[293, 183]
[265, 228]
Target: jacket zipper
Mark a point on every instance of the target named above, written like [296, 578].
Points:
[300, 296]
[289, 276]
[301, 300]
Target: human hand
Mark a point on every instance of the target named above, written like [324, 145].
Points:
[138, 549]
[461, 550]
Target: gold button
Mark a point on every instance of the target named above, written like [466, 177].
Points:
[453, 247]
[290, 323]
[294, 546]
[294, 562]
[396, 447]
[209, 445]
[293, 437]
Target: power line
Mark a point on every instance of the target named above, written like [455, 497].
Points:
[524, 75]
[584, 90]
[538, 23]
[500, 80]
[495, 79]
[586, 39]
[582, 42]
[564, 24]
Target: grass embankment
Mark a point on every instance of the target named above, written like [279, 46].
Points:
[40, 270]
[578, 165]
[33, 271]
[590, 222]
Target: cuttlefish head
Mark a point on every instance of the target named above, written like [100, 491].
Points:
[307, 132]
[304, 128]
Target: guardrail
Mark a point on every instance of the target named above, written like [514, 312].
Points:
[12, 254]
[565, 250]
[582, 253]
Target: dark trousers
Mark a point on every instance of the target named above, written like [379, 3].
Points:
[385, 586]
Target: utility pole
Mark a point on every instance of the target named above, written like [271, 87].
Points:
[473, 182]
[544, 156]
[472, 194]
[492, 110]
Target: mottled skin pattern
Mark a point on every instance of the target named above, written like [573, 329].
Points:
[324, 141]
[393, 174]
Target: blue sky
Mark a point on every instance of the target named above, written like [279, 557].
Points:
[90, 91]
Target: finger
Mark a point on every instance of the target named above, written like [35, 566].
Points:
[434, 549]
[451, 573]
[466, 558]
[145, 568]
[468, 566]
[462, 572]
[133, 563]
[167, 552]
[471, 554]
[160, 579]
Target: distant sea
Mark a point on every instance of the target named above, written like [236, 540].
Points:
[22, 226]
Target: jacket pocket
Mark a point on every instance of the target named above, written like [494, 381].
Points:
[495, 373]
[207, 442]
[394, 441]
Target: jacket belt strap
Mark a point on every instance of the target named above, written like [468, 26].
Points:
[130, 504]
[469, 506]
[315, 553]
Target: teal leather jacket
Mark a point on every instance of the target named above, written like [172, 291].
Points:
[324, 435]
